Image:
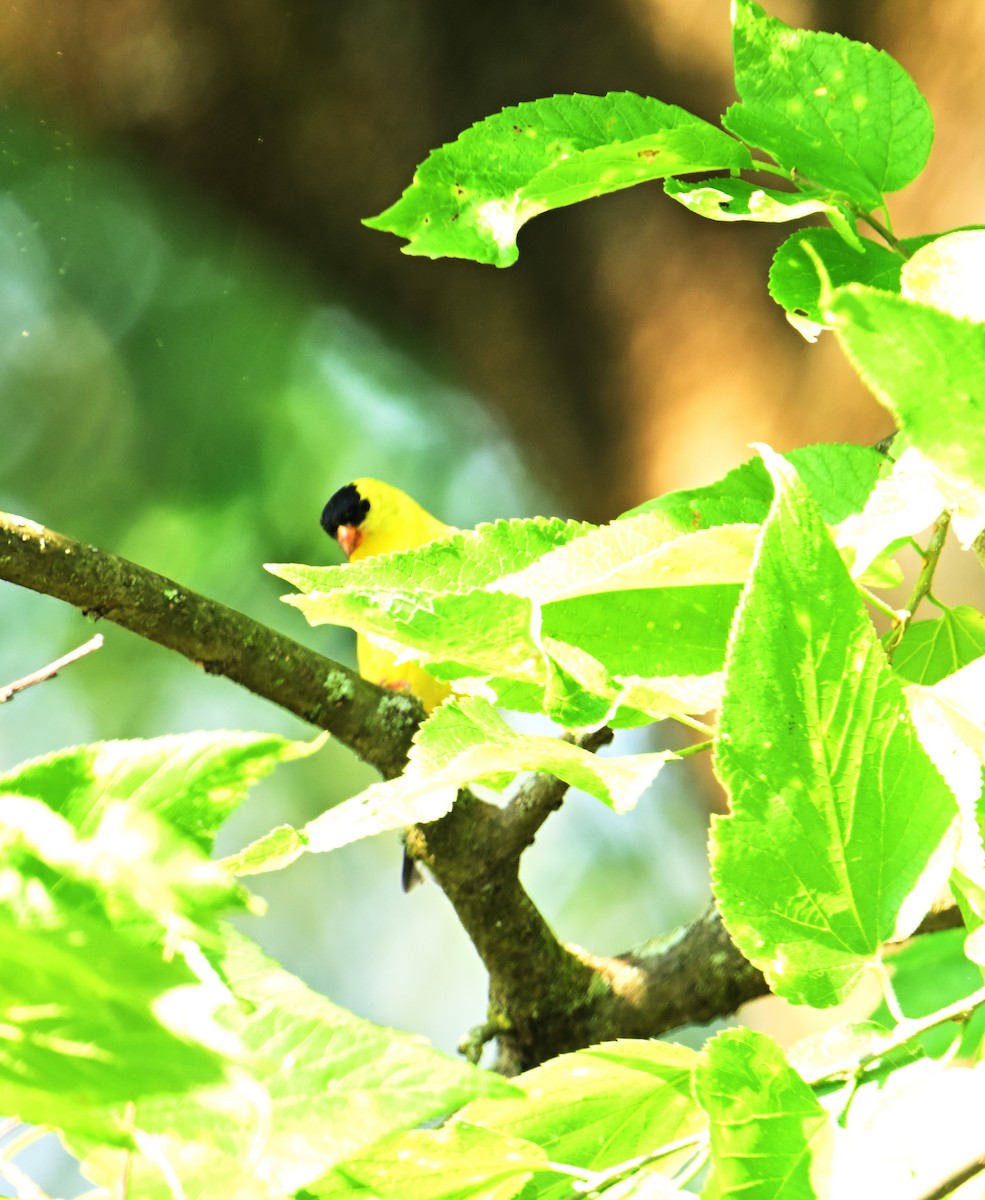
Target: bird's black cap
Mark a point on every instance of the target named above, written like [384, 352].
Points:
[346, 507]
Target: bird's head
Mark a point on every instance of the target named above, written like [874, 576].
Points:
[369, 517]
[344, 516]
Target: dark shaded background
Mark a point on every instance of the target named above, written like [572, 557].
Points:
[633, 348]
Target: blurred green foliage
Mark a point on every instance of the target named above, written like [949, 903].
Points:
[171, 391]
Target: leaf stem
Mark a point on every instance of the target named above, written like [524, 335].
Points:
[884, 231]
[769, 168]
[895, 614]
[697, 748]
[696, 1165]
[889, 995]
[921, 589]
[908, 1030]
[593, 1182]
[694, 723]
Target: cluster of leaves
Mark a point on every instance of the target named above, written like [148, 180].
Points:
[171, 1055]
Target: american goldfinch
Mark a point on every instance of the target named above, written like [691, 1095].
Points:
[367, 517]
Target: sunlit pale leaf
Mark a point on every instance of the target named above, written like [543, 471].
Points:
[458, 1162]
[949, 274]
[950, 717]
[903, 504]
[636, 552]
[602, 1106]
[908, 1134]
[465, 741]
[769, 1135]
[928, 368]
[727, 199]
[836, 811]
[336, 1085]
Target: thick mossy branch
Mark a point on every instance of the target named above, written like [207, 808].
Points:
[545, 998]
[375, 723]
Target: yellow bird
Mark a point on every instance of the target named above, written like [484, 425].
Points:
[368, 517]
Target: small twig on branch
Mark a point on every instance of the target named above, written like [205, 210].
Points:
[51, 670]
[949, 1186]
[539, 796]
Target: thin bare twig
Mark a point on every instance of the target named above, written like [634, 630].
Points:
[51, 670]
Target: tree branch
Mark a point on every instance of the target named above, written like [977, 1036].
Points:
[378, 725]
[545, 998]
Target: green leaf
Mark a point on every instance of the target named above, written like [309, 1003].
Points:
[192, 780]
[438, 601]
[729, 199]
[624, 624]
[794, 282]
[105, 998]
[648, 632]
[840, 478]
[464, 741]
[458, 1162]
[334, 1085]
[903, 504]
[950, 716]
[928, 368]
[938, 647]
[601, 1107]
[928, 973]
[836, 810]
[770, 1138]
[470, 198]
[839, 113]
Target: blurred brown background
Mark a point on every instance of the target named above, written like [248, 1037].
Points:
[633, 347]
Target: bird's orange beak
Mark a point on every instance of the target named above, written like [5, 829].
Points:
[348, 537]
